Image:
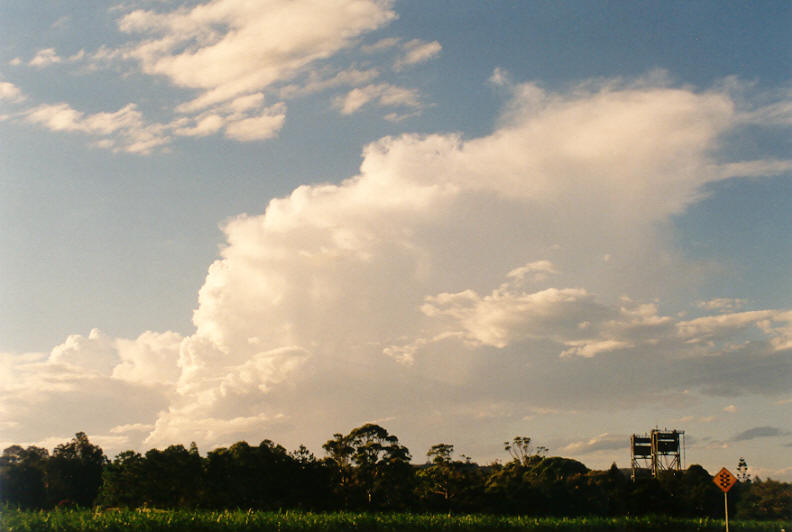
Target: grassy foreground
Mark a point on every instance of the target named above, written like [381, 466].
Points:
[12, 520]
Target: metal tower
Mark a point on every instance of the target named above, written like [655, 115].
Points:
[660, 450]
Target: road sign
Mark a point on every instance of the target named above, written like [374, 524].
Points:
[724, 480]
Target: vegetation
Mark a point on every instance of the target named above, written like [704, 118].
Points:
[240, 521]
[367, 470]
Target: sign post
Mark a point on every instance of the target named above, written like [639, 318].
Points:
[725, 480]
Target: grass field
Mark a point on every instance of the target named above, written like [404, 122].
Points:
[12, 520]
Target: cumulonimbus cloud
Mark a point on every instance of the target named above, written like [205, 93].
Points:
[406, 282]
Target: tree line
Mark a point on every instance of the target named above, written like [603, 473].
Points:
[366, 469]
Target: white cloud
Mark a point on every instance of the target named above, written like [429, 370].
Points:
[468, 261]
[123, 130]
[45, 57]
[535, 271]
[48, 56]
[229, 51]
[384, 94]
[133, 427]
[588, 349]
[316, 81]
[417, 51]
[263, 126]
[500, 77]
[217, 431]
[204, 125]
[381, 45]
[72, 388]
[722, 304]
[763, 167]
[338, 274]
[61, 22]
[777, 113]
[777, 324]
[400, 117]
[92, 354]
[227, 48]
[10, 92]
[149, 359]
[244, 119]
[127, 130]
[61, 117]
[601, 442]
[505, 317]
[76, 56]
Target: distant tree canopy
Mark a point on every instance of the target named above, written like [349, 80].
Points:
[366, 469]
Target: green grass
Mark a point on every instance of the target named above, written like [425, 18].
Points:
[12, 520]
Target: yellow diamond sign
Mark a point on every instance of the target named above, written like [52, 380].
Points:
[724, 480]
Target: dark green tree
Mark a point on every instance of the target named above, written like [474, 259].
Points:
[742, 471]
[447, 485]
[339, 459]
[23, 476]
[174, 477]
[765, 499]
[439, 479]
[521, 450]
[74, 472]
[509, 491]
[243, 476]
[647, 497]
[698, 496]
[312, 481]
[607, 492]
[124, 481]
[373, 467]
[559, 485]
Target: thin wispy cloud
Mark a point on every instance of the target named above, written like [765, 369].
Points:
[417, 51]
[254, 49]
[382, 94]
[759, 432]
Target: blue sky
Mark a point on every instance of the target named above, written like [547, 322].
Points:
[561, 219]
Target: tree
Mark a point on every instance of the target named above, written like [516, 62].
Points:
[440, 453]
[766, 499]
[262, 477]
[124, 481]
[441, 477]
[446, 484]
[509, 491]
[339, 458]
[521, 450]
[311, 481]
[557, 483]
[371, 463]
[742, 471]
[174, 477]
[74, 472]
[22, 476]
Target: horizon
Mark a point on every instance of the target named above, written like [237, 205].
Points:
[463, 221]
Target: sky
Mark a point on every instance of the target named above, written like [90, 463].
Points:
[235, 220]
